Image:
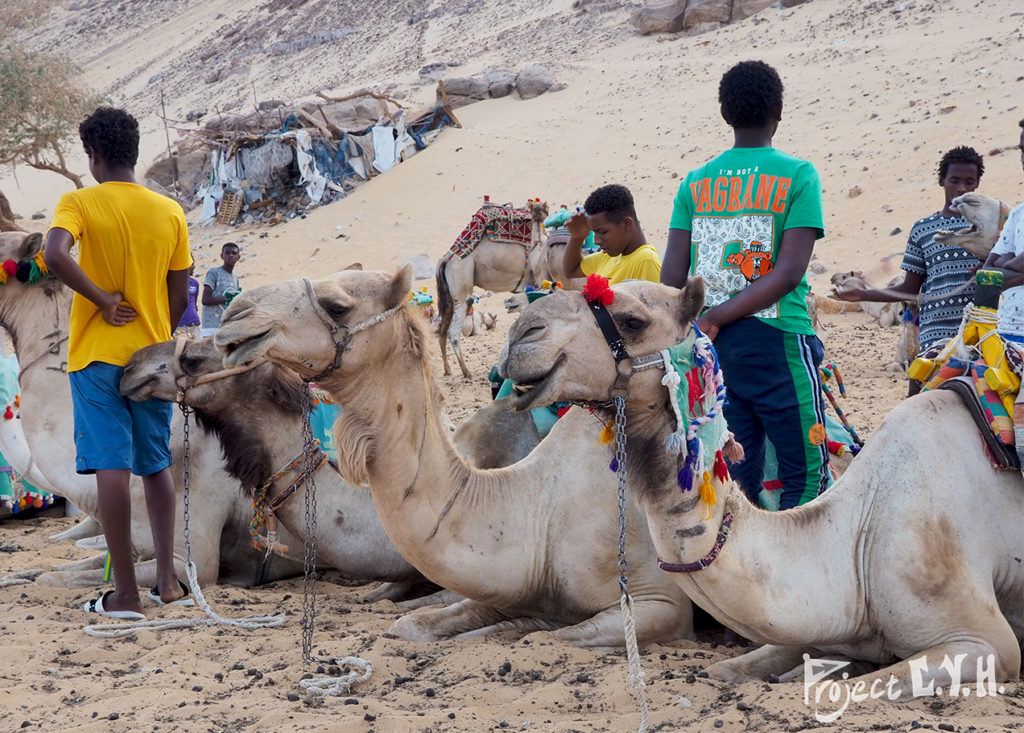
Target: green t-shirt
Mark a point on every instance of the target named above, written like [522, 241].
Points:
[736, 208]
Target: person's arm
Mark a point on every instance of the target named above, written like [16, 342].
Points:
[177, 295]
[209, 298]
[58, 259]
[1010, 264]
[791, 264]
[676, 266]
[906, 290]
[573, 255]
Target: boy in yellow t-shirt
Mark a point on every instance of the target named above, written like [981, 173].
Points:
[625, 254]
[131, 288]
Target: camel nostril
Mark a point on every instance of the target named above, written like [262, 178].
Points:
[531, 333]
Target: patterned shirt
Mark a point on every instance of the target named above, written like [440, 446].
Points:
[948, 282]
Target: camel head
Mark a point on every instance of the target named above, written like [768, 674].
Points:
[311, 326]
[538, 209]
[986, 216]
[168, 369]
[20, 246]
[556, 350]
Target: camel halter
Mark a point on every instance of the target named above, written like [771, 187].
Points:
[334, 328]
[184, 382]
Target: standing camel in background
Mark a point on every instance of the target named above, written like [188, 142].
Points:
[499, 250]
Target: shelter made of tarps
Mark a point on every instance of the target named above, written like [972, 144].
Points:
[296, 156]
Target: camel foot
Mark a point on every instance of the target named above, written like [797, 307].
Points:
[88, 527]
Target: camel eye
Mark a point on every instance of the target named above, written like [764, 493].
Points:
[634, 324]
[189, 364]
[337, 311]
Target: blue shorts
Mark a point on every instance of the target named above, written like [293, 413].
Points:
[113, 432]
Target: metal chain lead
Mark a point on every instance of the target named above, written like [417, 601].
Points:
[186, 411]
[620, 460]
[309, 562]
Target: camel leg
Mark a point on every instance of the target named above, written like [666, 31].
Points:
[986, 662]
[442, 597]
[654, 620]
[89, 574]
[89, 563]
[88, 527]
[444, 623]
[763, 663]
[401, 591]
[455, 336]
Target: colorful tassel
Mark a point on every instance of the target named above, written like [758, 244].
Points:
[614, 465]
[721, 470]
[607, 433]
[707, 493]
[836, 448]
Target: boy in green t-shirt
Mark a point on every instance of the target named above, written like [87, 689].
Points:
[746, 222]
[625, 254]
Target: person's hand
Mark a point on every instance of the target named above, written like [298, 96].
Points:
[229, 295]
[578, 225]
[708, 327]
[116, 312]
[850, 295]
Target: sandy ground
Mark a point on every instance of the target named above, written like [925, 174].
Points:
[875, 93]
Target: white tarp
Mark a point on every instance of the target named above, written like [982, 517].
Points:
[315, 181]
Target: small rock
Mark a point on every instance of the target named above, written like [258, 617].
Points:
[947, 726]
[292, 697]
[895, 231]
[451, 716]
[818, 268]
[114, 716]
[582, 677]
[854, 192]
[351, 701]
[39, 215]
[719, 722]
[429, 692]
[369, 717]
[742, 706]
[433, 72]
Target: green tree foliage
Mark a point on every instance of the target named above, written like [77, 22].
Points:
[42, 100]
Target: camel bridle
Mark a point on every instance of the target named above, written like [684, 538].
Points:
[184, 382]
[346, 331]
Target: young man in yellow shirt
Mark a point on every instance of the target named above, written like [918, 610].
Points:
[625, 253]
[131, 289]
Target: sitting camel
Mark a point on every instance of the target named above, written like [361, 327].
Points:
[504, 260]
[912, 557]
[902, 314]
[532, 546]
[257, 416]
[36, 317]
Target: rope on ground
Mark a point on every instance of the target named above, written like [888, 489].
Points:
[636, 672]
[359, 670]
[121, 630]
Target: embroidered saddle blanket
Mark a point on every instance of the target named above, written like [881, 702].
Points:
[503, 223]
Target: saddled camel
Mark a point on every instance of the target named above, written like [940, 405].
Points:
[532, 546]
[504, 261]
[912, 558]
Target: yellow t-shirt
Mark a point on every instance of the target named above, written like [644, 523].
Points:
[643, 264]
[128, 239]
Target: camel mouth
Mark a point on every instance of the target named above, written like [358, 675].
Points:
[533, 392]
[244, 349]
[135, 385]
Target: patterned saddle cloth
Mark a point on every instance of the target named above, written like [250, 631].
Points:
[503, 223]
[987, 410]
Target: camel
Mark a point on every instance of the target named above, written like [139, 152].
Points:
[554, 254]
[257, 417]
[7, 221]
[986, 215]
[887, 314]
[532, 546]
[506, 260]
[36, 317]
[894, 565]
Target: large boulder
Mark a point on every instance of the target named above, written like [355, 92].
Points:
[500, 83]
[351, 115]
[699, 12]
[534, 81]
[659, 16]
[745, 8]
[474, 87]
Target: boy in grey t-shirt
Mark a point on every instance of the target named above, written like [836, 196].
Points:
[220, 286]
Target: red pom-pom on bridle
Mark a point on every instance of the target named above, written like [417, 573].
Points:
[597, 290]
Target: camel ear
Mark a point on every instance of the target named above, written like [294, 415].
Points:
[691, 299]
[401, 284]
[355, 266]
[30, 246]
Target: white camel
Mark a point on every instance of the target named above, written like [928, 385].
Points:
[502, 261]
[986, 215]
[532, 546]
[36, 317]
[257, 416]
[912, 558]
